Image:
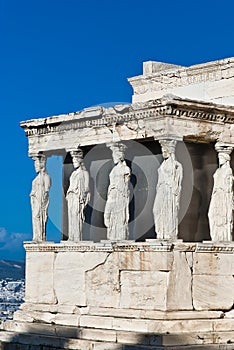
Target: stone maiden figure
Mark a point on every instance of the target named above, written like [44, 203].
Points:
[221, 205]
[116, 215]
[167, 200]
[40, 198]
[77, 196]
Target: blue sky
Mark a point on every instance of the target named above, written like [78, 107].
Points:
[59, 56]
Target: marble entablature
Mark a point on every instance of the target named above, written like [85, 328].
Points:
[156, 118]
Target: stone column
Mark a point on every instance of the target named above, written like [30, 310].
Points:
[77, 196]
[221, 205]
[40, 198]
[116, 215]
[168, 190]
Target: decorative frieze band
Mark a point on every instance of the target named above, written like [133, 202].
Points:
[215, 247]
[137, 247]
[99, 121]
[213, 117]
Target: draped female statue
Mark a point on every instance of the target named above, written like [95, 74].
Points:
[167, 200]
[78, 196]
[221, 205]
[40, 198]
[116, 215]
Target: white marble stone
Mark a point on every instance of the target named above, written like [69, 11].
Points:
[167, 200]
[211, 81]
[179, 296]
[146, 261]
[116, 215]
[156, 314]
[77, 196]
[40, 198]
[144, 290]
[39, 278]
[170, 115]
[69, 279]
[103, 284]
[178, 326]
[98, 334]
[70, 276]
[213, 292]
[213, 264]
[229, 314]
[222, 202]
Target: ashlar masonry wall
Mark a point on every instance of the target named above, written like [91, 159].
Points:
[139, 276]
[104, 295]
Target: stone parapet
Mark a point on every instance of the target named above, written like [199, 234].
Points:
[128, 295]
[152, 275]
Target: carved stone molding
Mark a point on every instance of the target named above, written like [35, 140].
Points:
[154, 246]
[166, 106]
[215, 247]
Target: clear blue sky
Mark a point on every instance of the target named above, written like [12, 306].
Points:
[59, 56]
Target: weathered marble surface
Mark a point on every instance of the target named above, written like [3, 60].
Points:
[213, 292]
[187, 119]
[99, 339]
[167, 200]
[40, 198]
[116, 214]
[222, 201]
[211, 81]
[95, 295]
[143, 276]
[77, 196]
[40, 281]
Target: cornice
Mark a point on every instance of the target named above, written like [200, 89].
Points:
[168, 105]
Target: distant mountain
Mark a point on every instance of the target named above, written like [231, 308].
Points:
[12, 269]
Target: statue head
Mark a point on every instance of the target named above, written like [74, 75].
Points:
[168, 147]
[39, 162]
[118, 150]
[224, 152]
[223, 158]
[77, 158]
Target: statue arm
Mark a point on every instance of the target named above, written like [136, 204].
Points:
[232, 193]
[45, 191]
[87, 192]
[73, 186]
[229, 182]
[178, 180]
[127, 174]
[107, 218]
[34, 189]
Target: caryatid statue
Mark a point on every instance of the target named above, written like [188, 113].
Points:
[116, 215]
[221, 205]
[77, 196]
[168, 191]
[40, 198]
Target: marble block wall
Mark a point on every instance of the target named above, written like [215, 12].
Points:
[145, 276]
[211, 81]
